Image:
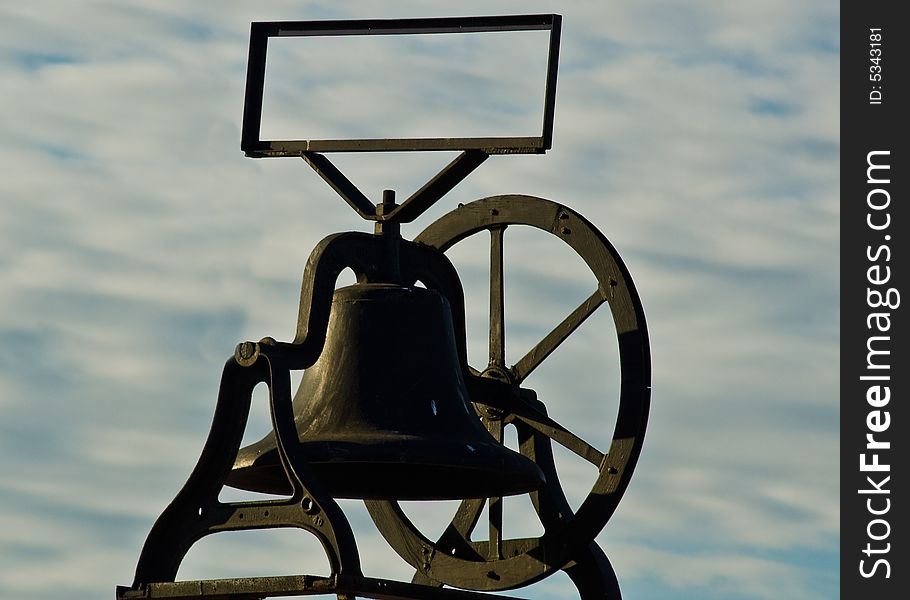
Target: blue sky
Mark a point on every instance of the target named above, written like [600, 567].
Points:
[138, 246]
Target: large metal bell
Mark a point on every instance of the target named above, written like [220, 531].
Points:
[384, 412]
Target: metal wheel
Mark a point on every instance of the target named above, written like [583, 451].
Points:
[501, 563]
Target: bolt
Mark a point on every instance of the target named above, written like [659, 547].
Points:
[246, 352]
[493, 414]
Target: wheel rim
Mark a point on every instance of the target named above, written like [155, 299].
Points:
[507, 563]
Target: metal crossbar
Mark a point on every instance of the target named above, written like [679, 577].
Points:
[256, 588]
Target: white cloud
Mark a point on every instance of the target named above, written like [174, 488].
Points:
[137, 246]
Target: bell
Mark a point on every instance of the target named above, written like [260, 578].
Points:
[384, 412]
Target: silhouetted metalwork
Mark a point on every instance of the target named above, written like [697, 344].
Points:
[255, 83]
[389, 408]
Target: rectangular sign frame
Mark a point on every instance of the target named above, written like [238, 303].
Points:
[260, 32]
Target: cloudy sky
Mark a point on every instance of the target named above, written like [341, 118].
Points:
[138, 246]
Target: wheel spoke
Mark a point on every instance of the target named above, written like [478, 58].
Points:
[547, 345]
[495, 551]
[556, 432]
[463, 523]
[497, 304]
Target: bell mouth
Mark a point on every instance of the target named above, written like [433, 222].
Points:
[394, 468]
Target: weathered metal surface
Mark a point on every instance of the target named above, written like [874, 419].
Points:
[255, 83]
